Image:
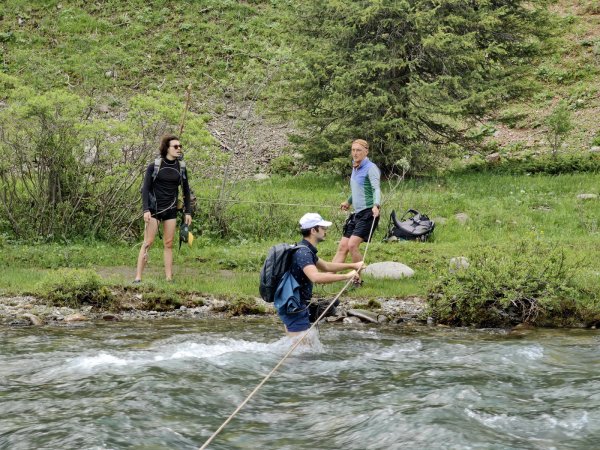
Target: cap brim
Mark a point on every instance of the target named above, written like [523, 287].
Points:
[323, 223]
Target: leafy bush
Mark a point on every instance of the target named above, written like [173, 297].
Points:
[76, 287]
[284, 165]
[528, 283]
[530, 163]
[559, 124]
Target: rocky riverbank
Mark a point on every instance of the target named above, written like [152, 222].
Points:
[32, 311]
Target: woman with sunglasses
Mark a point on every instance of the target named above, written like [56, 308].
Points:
[159, 201]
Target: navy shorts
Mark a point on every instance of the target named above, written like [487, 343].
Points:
[295, 322]
[359, 224]
[165, 215]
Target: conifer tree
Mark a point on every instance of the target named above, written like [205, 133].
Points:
[410, 76]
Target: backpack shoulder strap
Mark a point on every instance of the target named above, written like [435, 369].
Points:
[182, 169]
[157, 163]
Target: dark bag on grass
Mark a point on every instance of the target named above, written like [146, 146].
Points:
[278, 262]
[412, 226]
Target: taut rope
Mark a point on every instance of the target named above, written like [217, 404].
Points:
[209, 440]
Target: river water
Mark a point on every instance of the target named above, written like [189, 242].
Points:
[171, 384]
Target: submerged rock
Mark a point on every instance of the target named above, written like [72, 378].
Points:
[352, 320]
[76, 318]
[35, 320]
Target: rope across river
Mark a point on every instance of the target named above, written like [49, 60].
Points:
[296, 344]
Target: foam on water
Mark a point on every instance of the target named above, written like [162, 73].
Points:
[220, 350]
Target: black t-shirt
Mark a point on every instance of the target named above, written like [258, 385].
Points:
[304, 256]
[166, 186]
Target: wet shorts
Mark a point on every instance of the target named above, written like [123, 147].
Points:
[165, 215]
[359, 224]
[295, 322]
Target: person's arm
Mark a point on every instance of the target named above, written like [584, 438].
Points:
[346, 204]
[187, 198]
[374, 178]
[315, 276]
[146, 186]
[336, 267]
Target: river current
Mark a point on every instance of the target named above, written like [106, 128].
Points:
[171, 384]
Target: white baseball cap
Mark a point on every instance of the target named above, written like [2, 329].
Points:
[310, 220]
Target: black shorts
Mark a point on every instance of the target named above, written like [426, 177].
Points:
[165, 215]
[359, 224]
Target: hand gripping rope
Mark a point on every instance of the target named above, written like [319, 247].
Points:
[210, 439]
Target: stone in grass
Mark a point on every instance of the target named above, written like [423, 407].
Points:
[458, 263]
[587, 196]
[462, 218]
[389, 269]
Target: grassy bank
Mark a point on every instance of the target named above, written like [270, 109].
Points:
[503, 212]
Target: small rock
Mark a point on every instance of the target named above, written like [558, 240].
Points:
[35, 320]
[363, 314]
[462, 218]
[458, 263]
[382, 319]
[351, 320]
[218, 305]
[587, 196]
[75, 318]
[493, 158]
[183, 308]
[231, 115]
[430, 321]
[245, 114]
[104, 109]
[111, 317]
[595, 149]
[108, 74]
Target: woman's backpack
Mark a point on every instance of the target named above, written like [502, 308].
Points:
[412, 226]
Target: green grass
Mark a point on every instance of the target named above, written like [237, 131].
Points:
[502, 210]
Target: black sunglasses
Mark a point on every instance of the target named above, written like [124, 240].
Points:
[177, 147]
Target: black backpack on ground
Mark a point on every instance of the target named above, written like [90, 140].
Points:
[412, 226]
[278, 262]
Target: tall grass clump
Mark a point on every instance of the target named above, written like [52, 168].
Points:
[529, 282]
[76, 287]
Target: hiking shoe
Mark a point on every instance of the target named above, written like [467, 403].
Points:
[136, 281]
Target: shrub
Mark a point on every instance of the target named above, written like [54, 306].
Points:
[529, 283]
[530, 163]
[284, 165]
[75, 287]
[559, 124]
